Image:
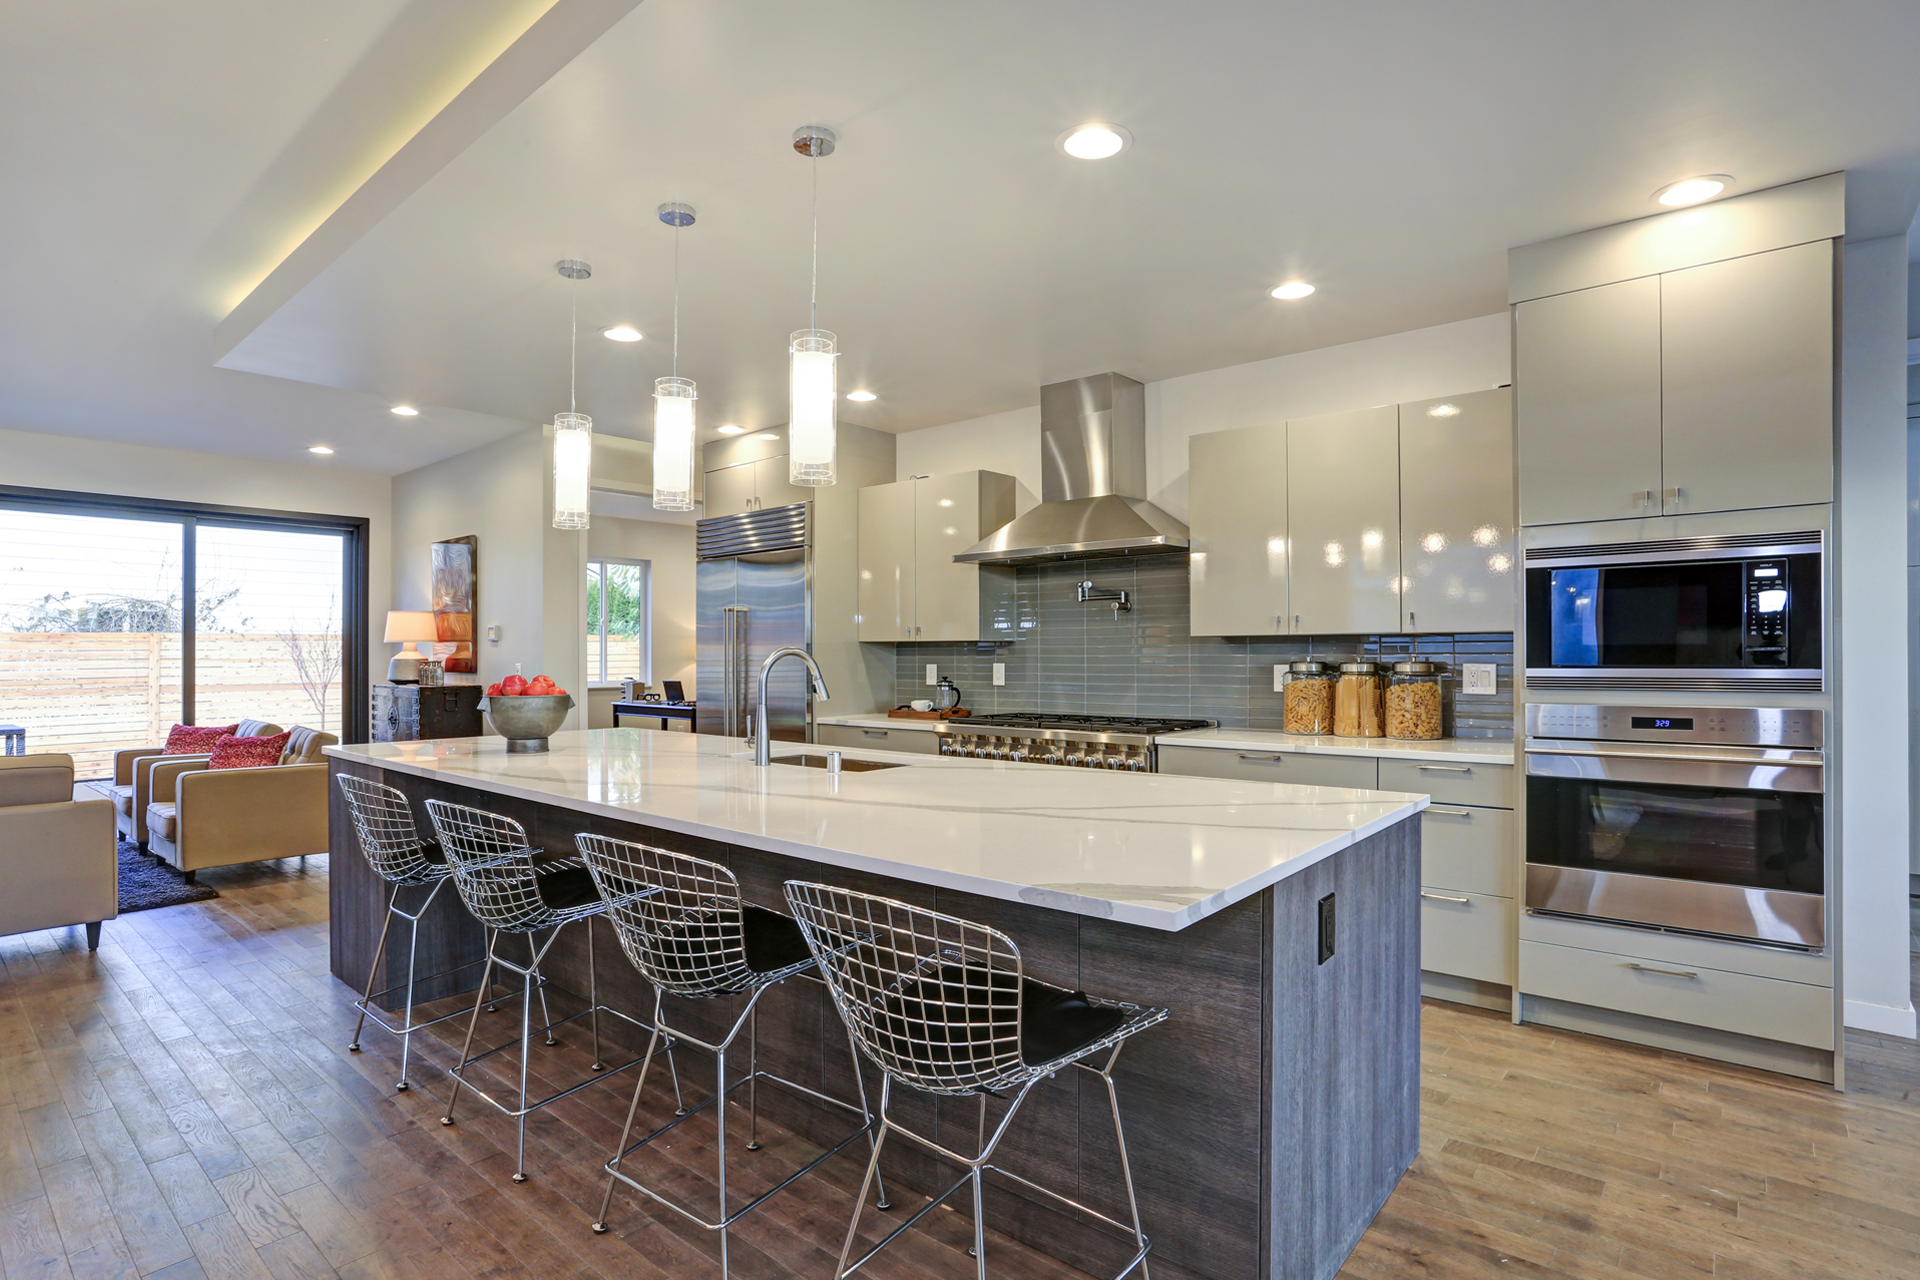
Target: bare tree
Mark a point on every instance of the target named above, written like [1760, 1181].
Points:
[316, 661]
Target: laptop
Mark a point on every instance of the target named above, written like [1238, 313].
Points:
[675, 693]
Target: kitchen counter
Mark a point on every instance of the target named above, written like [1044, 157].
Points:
[1453, 750]
[1150, 850]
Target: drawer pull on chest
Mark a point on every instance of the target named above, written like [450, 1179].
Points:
[1671, 973]
[1445, 897]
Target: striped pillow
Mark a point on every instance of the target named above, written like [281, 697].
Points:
[194, 739]
[247, 753]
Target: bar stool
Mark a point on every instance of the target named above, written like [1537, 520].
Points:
[508, 892]
[941, 1005]
[405, 859]
[681, 921]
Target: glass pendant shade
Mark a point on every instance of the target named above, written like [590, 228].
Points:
[812, 390]
[572, 470]
[673, 443]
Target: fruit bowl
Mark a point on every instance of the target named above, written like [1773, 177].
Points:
[527, 722]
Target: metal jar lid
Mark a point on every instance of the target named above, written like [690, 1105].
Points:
[1417, 668]
[1360, 668]
[1308, 668]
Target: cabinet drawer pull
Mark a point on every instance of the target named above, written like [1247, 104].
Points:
[1449, 812]
[1671, 973]
[1445, 897]
[1444, 768]
[875, 733]
[1263, 759]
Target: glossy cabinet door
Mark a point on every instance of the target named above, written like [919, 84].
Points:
[1237, 494]
[886, 561]
[951, 513]
[1587, 401]
[771, 488]
[1747, 381]
[1456, 511]
[1343, 522]
[730, 491]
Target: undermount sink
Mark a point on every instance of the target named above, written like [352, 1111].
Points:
[811, 761]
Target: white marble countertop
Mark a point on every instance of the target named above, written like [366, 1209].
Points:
[1144, 849]
[1454, 750]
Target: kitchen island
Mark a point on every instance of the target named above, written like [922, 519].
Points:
[1267, 1119]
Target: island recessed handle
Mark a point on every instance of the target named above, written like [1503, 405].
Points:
[1671, 973]
[1450, 812]
[1444, 768]
[1446, 897]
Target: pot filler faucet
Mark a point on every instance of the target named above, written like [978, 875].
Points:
[762, 737]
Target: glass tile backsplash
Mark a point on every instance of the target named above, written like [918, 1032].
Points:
[1085, 657]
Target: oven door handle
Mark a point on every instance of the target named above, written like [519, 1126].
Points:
[1739, 773]
[1687, 756]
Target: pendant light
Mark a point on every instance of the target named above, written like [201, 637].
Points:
[673, 399]
[810, 352]
[573, 432]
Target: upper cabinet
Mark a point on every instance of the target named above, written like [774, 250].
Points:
[1343, 522]
[1703, 389]
[1237, 491]
[910, 588]
[751, 486]
[1456, 512]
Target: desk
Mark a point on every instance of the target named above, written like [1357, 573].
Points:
[661, 711]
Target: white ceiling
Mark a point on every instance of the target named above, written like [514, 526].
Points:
[1389, 152]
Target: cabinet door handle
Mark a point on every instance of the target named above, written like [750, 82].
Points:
[1645, 499]
[1296, 622]
[1675, 494]
[1671, 973]
[1450, 812]
[1263, 759]
[1444, 768]
[1445, 897]
[874, 733]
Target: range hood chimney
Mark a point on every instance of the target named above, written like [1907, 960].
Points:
[1093, 481]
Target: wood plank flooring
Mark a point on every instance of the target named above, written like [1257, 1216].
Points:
[181, 1105]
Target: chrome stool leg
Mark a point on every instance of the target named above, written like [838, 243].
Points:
[373, 970]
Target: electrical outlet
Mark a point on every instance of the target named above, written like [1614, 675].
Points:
[999, 673]
[1480, 678]
[1279, 669]
[1326, 928]
[933, 673]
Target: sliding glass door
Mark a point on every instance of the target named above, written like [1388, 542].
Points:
[268, 638]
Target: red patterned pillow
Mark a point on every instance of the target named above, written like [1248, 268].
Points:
[247, 753]
[194, 739]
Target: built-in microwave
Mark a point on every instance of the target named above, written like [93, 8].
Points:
[1712, 613]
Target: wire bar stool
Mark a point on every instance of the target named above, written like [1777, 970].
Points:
[942, 1005]
[401, 856]
[681, 920]
[509, 892]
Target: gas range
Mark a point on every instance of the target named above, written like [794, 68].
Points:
[1121, 743]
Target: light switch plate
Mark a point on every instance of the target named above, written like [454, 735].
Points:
[933, 673]
[1479, 678]
[999, 673]
[493, 634]
[1278, 668]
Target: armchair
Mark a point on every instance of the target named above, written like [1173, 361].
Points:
[219, 817]
[57, 854]
[131, 790]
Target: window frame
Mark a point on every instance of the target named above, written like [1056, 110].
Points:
[597, 627]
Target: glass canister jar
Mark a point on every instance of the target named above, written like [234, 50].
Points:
[1357, 700]
[1306, 697]
[1415, 700]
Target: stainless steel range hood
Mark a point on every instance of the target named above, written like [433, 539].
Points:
[1093, 475]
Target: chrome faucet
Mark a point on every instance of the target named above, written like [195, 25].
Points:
[762, 737]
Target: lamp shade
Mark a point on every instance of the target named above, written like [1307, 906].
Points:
[572, 470]
[673, 443]
[406, 626]
[810, 425]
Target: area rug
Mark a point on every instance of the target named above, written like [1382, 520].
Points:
[146, 882]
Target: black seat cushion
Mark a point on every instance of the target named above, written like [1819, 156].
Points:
[1053, 1023]
[773, 941]
[565, 890]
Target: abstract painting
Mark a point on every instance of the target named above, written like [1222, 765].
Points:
[455, 575]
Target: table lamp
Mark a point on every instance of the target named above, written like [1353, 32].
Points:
[405, 627]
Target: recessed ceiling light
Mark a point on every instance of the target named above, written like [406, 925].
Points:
[861, 396]
[1443, 411]
[406, 411]
[1693, 190]
[769, 435]
[1293, 289]
[1095, 141]
[622, 333]
[731, 430]
[318, 448]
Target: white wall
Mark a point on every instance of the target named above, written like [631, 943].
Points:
[1448, 359]
[1871, 749]
[669, 547]
[179, 475]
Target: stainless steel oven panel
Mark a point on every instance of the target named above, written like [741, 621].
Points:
[1777, 916]
[1669, 550]
[1744, 726]
[1750, 769]
[1759, 681]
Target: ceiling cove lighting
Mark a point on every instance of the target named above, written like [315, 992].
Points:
[573, 432]
[811, 353]
[1095, 141]
[1693, 190]
[319, 449]
[622, 333]
[1292, 289]
[731, 430]
[673, 399]
[861, 397]
[405, 411]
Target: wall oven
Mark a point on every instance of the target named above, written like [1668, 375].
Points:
[1725, 613]
[1702, 820]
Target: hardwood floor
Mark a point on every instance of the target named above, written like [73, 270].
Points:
[182, 1105]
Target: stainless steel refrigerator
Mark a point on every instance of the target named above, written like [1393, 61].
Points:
[754, 594]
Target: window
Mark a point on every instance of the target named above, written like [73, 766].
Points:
[619, 620]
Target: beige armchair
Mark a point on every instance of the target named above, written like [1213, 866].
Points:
[219, 817]
[57, 856]
[131, 790]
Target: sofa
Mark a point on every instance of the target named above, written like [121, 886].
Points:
[203, 817]
[57, 854]
[131, 790]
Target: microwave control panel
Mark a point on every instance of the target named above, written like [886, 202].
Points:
[1765, 642]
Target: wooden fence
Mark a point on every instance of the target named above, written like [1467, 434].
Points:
[89, 693]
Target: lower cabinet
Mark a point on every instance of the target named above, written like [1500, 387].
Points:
[1467, 935]
[919, 741]
[1272, 766]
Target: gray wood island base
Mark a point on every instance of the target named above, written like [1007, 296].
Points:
[1267, 1120]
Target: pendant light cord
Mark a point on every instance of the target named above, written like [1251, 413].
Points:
[676, 303]
[573, 355]
[813, 314]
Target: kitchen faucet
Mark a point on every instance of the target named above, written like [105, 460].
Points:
[762, 737]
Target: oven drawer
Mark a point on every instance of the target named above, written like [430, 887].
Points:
[1468, 935]
[1467, 849]
[1767, 1008]
[919, 741]
[1271, 766]
[1479, 784]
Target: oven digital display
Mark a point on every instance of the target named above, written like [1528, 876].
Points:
[1678, 723]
